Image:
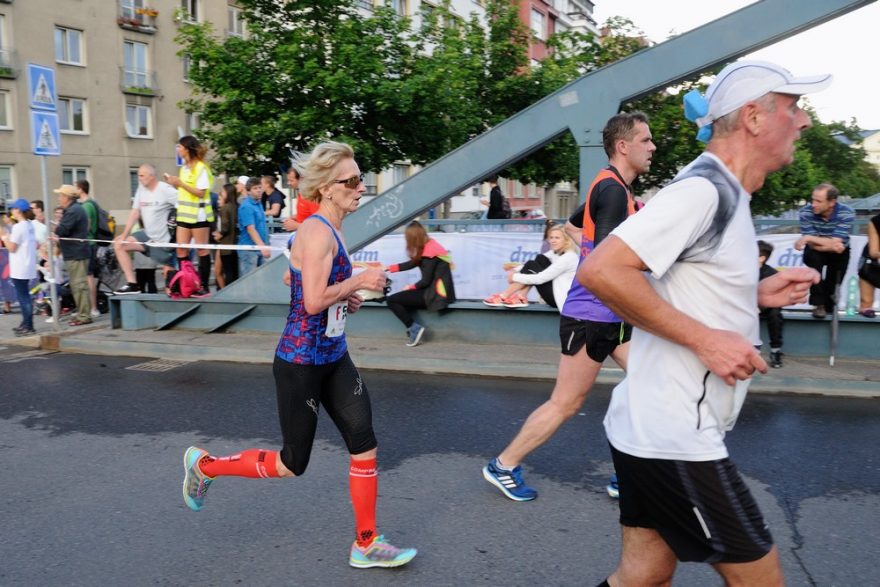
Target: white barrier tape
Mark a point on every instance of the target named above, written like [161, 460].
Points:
[177, 245]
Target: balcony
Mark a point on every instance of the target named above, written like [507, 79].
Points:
[137, 82]
[133, 17]
[8, 63]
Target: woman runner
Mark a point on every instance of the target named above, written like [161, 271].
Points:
[312, 366]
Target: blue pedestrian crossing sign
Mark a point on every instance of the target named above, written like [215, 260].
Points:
[45, 137]
[41, 84]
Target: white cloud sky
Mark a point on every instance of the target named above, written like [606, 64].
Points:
[845, 47]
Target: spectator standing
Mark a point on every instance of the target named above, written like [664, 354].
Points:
[304, 207]
[433, 292]
[195, 216]
[91, 210]
[241, 188]
[496, 201]
[825, 228]
[227, 234]
[153, 202]
[22, 244]
[869, 269]
[39, 222]
[74, 224]
[272, 199]
[772, 316]
[682, 271]
[252, 229]
[551, 272]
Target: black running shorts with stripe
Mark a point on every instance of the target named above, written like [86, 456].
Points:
[703, 510]
[600, 338]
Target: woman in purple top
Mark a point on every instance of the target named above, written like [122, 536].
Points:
[312, 367]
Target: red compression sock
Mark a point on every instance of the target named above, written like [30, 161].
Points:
[249, 463]
[363, 484]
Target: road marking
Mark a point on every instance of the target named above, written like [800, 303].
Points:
[158, 366]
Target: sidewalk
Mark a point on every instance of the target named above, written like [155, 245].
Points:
[810, 375]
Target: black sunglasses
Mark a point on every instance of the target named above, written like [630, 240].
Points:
[352, 182]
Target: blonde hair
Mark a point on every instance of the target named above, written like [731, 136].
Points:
[318, 168]
[570, 245]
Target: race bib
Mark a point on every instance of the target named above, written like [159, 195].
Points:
[336, 315]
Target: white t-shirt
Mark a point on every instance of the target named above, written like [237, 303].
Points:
[41, 231]
[670, 406]
[23, 262]
[561, 270]
[154, 207]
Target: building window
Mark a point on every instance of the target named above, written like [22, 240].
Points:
[5, 115]
[132, 9]
[72, 115]
[138, 121]
[192, 122]
[135, 72]
[133, 182]
[234, 21]
[190, 10]
[399, 173]
[68, 46]
[6, 190]
[71, 175]
[371, 181]
[364, 4]
[399, 7]
[187, 63]
[537, 24]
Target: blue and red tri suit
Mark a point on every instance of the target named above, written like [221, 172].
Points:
[303, 341]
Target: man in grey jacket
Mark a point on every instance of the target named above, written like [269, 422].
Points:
[74, 224]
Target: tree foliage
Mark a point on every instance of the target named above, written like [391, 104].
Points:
[310, 70]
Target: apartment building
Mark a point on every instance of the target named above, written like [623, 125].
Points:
[118, 80]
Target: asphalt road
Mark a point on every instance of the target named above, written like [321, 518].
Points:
[90, 474]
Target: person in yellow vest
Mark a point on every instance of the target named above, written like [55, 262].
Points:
[194, 213]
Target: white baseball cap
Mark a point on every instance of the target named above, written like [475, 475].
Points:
[744, 81]
[242, 179]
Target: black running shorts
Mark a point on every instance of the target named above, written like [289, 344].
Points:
[302, 389]
[703, 510]
[600, 338]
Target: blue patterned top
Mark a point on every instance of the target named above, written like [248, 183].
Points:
[839, 225]
[304, 340]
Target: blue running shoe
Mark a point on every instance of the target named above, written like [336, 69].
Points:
[415, 333]
[195, 483]
[380, 553]
[612, 488]
[510, 483]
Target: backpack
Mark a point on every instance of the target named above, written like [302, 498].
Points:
[106, 223]
[506, 212]
[185, 282]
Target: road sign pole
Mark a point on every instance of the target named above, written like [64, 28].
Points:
[50, 248]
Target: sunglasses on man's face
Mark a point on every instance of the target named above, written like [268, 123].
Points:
[352, 182]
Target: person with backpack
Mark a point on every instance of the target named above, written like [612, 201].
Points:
[72, 230]
[195, 216]
[499, 207]
[90, 207]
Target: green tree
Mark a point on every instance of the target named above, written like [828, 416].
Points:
[308, 70]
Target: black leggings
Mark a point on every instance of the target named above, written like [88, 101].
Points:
[301, 389]
[408, 298]
[545, 290]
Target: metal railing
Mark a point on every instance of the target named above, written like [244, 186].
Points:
[136, 17]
